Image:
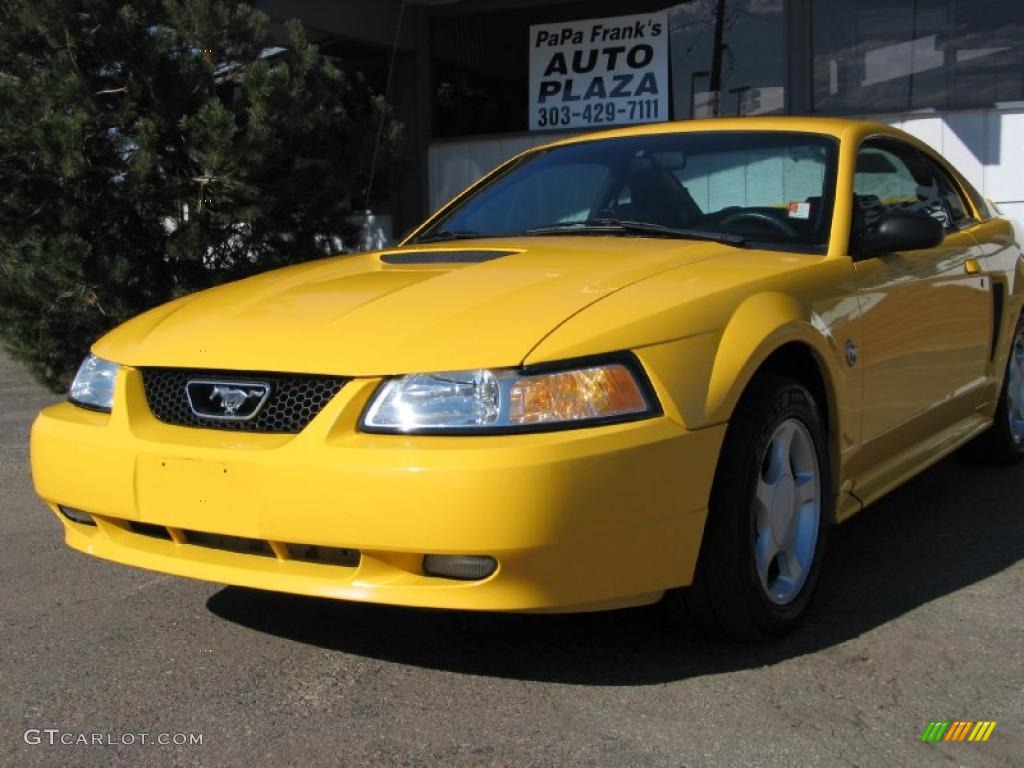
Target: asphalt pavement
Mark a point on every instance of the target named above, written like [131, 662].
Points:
[919, 617]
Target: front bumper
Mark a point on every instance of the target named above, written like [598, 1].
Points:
[577, 520]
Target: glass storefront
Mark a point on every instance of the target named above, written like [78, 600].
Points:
[883, 56]
[866, 57]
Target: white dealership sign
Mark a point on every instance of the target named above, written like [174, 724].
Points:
[599, 72]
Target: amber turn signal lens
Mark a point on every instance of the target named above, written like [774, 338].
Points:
[575, 395]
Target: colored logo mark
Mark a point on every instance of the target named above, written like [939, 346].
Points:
[958, 730]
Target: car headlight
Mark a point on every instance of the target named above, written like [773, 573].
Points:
[510, 400]
[93, 386]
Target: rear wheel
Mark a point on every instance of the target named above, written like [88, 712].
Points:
[768, 517]
[1003, 442]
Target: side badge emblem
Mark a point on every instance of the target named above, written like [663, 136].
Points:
[851, 353]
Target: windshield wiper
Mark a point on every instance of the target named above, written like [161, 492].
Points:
[607, 226]
[445, 234]
[448, 235]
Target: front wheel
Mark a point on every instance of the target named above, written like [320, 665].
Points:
[1003, 442]
[768, 517]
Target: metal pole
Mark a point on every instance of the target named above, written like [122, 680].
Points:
[715, 83]
[387, 94]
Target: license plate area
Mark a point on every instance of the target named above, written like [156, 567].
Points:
[197, 494]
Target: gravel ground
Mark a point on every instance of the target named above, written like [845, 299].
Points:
[919, 617]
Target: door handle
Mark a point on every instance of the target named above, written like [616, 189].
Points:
[972, 267]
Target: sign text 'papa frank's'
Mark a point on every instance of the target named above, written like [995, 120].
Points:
[599, 72]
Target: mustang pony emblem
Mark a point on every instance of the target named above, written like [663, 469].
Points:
[228, 400]
[232, 399]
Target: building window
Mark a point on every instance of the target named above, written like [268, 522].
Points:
[879, 56]
[479, 65]
[751, 61]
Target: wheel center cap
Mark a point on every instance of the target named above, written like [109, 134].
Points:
[783, 509]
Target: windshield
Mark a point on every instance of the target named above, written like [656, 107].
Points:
[768, 188]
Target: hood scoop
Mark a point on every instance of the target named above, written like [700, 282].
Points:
[442, 257]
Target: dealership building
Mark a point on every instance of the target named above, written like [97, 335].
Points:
[476, 81]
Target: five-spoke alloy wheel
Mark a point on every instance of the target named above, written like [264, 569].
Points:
[788, 512]
[768, 517]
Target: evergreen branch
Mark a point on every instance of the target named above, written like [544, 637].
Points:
[71, 55]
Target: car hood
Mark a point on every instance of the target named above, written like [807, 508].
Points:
[360, 315]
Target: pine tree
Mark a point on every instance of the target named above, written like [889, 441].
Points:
[151, 148]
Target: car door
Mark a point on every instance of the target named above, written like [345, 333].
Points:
[925, 327]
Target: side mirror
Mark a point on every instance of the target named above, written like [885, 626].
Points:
[900, 230]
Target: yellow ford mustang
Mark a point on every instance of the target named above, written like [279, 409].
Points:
[630, 362]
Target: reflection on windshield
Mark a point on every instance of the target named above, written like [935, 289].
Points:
[763, 187]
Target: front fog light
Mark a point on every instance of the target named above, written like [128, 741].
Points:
[93, 386]
[76, 515]
[462, 567]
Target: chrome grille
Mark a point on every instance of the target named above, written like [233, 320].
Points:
[294, 401]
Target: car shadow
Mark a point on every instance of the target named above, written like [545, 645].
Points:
[952, 526]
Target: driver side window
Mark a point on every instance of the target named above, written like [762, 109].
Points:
[891, 175]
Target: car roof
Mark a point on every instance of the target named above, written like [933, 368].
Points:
[829, 126]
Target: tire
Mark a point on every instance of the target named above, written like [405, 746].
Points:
[741, 591]
[1003, 442]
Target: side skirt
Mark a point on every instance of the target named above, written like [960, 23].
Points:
[872, 486]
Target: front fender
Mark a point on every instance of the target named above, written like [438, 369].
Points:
[700, 378]
[762, 324]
